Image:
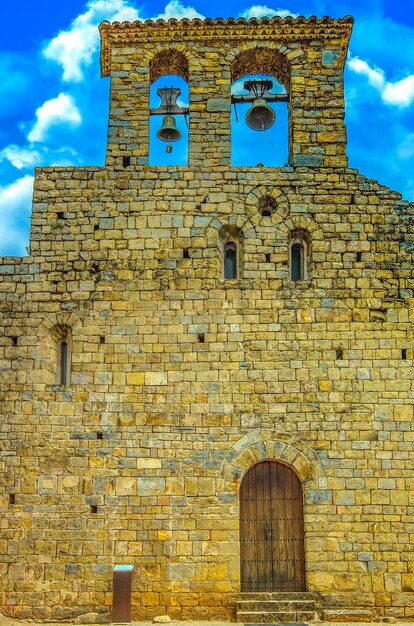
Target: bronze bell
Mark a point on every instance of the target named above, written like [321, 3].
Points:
[260, 116]
[168, 131]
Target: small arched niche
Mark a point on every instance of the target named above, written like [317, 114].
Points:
[169, 125]
[62, 353]
[260, 73]
[299, 247]
[231, 253]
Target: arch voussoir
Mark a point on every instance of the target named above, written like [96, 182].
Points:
[272, 445]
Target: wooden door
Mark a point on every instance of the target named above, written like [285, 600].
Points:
[271, 529]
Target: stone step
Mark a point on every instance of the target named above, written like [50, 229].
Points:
[276, 617]
[278, 595]
[347, 615]
[276, 605]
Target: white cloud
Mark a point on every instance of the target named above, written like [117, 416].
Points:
[406, 147]
[19, 157]
[54, 112]
[177, 10]
[27, 157]
[73, 49]
[15, 205]
[260, 10]
[375, 75]
[237, 88]
[399, 93]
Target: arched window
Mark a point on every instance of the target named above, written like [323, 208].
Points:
[63, 369]
[298, 269]
[231, 240]
[62, 349]
[230, 260]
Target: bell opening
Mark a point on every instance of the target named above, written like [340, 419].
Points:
[249, 146]
[173, 133]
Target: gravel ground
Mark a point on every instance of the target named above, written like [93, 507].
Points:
[6, 621]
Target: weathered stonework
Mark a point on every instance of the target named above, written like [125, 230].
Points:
[181, 381]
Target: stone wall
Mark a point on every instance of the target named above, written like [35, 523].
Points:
[181, 381]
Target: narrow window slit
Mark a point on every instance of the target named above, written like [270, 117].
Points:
[94, 508]
[404, 354]
[12, 499]
[126, 161]
[102, 339]
[359, 257]
[267, 257]
[186, 253]
[297, 261]
[63, 363]
[14, 340]
[99, 435]
[201, 338]
[60, 215]
[339, 354]
[230, 260]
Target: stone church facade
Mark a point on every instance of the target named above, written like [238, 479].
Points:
[229, 437]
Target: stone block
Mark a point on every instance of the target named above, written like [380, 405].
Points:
[151, 486]
[156, 378]
[307, 160]
[126, 486]
[135, 378]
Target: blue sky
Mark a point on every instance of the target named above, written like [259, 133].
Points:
[54, 106]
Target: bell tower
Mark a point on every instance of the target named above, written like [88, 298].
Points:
[305, 55]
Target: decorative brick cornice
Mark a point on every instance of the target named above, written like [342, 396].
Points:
[283, 31]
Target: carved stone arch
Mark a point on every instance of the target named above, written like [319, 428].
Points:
[140, 60]
[60, 332]
[231, 231]
[267, 195]
[301, 223]
[274, 445]
[56, 323]
[234, 224]
[169, 60]
[249, 58]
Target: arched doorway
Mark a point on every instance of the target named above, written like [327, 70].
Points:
[271, 529]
